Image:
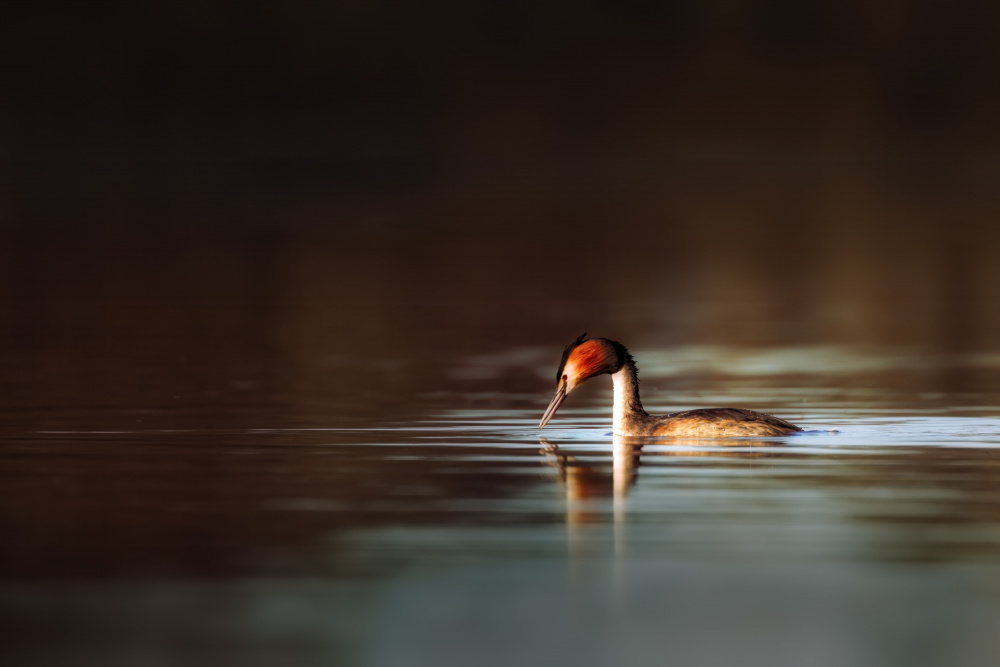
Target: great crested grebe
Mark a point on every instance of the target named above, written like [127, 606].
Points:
[585, 358]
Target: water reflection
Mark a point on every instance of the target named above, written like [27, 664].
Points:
[587, 479]
[402, 528]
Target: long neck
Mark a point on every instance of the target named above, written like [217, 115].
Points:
[627, 403]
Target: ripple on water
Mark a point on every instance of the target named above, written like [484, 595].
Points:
[874, 528]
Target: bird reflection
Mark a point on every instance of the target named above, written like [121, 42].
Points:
[588, 484]
[587, 481]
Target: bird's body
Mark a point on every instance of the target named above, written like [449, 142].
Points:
[708, 423]
[587, 358]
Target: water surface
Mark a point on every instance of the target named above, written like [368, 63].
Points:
[464, 535]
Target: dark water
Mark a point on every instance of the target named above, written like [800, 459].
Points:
[418, 518]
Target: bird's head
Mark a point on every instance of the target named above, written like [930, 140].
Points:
[583, 359]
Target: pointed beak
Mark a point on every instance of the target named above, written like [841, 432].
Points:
[554, 405]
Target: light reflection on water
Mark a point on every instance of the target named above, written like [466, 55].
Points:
[471, 537]
[861, 548]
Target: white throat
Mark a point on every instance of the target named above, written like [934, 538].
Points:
[620, 402]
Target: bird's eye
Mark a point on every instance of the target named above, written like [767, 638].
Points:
[565, 378]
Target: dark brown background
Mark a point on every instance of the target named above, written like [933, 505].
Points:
[290, 194]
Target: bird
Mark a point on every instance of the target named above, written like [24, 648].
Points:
[586, 358]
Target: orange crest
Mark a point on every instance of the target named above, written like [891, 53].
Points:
[589, 358]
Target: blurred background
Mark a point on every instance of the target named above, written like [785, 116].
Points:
[348, 214]
[281, 181]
